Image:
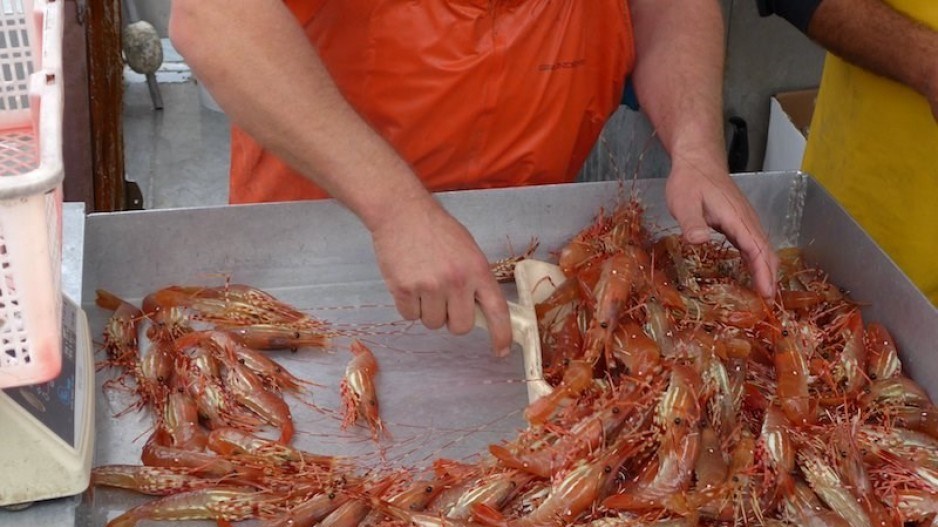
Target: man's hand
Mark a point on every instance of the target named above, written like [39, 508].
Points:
[701, 198]
[437, 273]
[432, 266]
[678, 77]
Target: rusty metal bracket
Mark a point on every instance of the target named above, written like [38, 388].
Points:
[133, 197]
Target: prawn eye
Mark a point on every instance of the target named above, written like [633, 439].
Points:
[604, 324]
[331, 495]
[677, 420]
[429, 489]
[607, 469]
[784, 332]
[842, 290]
[680, 287]
[615, 410]
[872, 378]
[241, 361]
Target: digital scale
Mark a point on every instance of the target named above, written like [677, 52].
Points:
[46, 430]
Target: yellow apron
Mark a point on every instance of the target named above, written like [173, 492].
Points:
[873, 144]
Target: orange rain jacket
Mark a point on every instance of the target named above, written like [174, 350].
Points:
[472, 93]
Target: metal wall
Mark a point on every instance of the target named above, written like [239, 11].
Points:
[764, 56]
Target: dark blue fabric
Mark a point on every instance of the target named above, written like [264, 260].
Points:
[629, 98]
[798, 12]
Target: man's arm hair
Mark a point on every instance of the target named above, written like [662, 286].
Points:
[876, 37]
[872, 35]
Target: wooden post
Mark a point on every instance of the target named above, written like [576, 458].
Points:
[105, 91]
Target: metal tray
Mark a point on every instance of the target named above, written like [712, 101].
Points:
[442, 396]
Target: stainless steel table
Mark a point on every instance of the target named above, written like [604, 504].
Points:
[441, 396]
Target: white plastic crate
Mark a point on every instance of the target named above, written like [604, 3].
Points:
[31, 173]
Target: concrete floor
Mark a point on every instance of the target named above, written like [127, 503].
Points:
[179, 156]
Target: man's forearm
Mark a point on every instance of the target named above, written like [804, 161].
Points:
[874, 36]
[679, 75]
[256, 61]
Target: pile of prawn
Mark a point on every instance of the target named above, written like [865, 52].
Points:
[681, 398]
[203, 374]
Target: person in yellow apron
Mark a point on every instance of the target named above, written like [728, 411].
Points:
[377, 103]
[873, 141]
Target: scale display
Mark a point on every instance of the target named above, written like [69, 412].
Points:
[54, 403]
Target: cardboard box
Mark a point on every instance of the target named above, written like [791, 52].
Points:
[789, 120]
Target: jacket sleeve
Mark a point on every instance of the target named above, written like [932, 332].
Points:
[798, 12]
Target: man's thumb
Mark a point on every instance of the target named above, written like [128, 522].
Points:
[695, 229]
